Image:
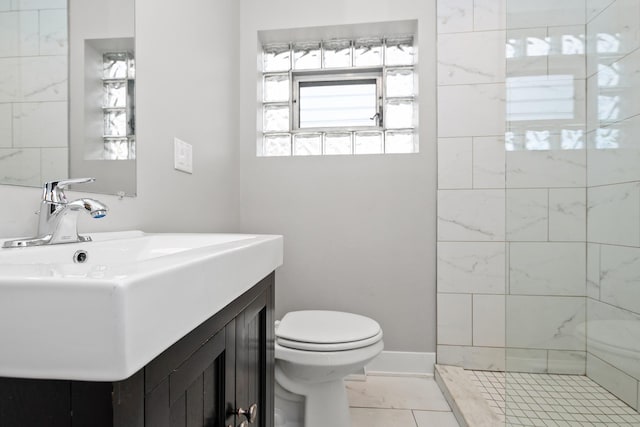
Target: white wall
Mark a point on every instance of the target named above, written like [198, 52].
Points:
[359, 230]
[187, 87]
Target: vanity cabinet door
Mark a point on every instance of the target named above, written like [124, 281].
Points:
[223, 366]
[193, 395]
[254, 363]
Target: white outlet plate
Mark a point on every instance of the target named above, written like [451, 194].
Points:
[182, 156]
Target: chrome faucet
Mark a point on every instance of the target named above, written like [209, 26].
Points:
[58, 216]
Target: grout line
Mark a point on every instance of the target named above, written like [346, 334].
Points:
[473, 16]
[577, 187]
[614, 245]
[472, 317]
[391, 409]
[625, 310]
[599, 272]
[613, 184]
[536, 241]
[523, 295]
[12, 133]
[496, 83]
[35, 56]
[33, 102]
[546, 351]
[39, 19]
[594, 17]
[548, 56]
[612, 123]
[473, 161]
[506, 29]
[415, 420]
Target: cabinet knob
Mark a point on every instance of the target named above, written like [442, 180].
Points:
[250, 414]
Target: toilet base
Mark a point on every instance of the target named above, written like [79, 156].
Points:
[325, 403]
[327, 406]
[289, 408]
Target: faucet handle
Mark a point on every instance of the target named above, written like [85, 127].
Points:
[53, 191]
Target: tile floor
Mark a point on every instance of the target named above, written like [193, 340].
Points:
[398, 402]
[552, 400]
[491, 386]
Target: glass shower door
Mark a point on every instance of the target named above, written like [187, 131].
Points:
[545, 208]
[572, 212]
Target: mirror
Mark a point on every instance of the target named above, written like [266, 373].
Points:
[67, 93]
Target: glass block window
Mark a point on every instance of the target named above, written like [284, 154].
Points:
[118, 105]
[339, 96]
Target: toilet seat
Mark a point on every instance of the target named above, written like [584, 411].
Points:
[325, 331]
[340, 346]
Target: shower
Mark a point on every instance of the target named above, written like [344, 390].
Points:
[539, 248]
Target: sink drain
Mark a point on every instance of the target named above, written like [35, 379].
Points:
[80, 256]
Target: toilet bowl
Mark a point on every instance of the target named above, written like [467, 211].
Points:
[314, 351]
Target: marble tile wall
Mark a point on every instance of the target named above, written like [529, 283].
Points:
[613, 196]
[472, 248]
[33, 91]
[512, 193]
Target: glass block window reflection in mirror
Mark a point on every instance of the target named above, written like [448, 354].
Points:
[118, 82]
[339, 97]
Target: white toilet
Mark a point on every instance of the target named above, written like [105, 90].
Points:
[315, 350]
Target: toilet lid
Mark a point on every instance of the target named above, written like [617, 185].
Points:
[319, 330]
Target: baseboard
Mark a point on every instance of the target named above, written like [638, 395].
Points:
[402, 363]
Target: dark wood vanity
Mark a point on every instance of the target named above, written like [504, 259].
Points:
[219, 375]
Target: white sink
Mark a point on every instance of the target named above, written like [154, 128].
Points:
[135, 296]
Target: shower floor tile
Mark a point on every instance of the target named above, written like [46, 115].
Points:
[552, 400]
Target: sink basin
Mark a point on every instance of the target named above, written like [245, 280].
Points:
[134, 296]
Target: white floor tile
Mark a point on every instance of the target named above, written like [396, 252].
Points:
[396, 393]
[373, 417]
[434, 418]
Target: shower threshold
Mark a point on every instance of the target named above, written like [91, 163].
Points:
[486, 398]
